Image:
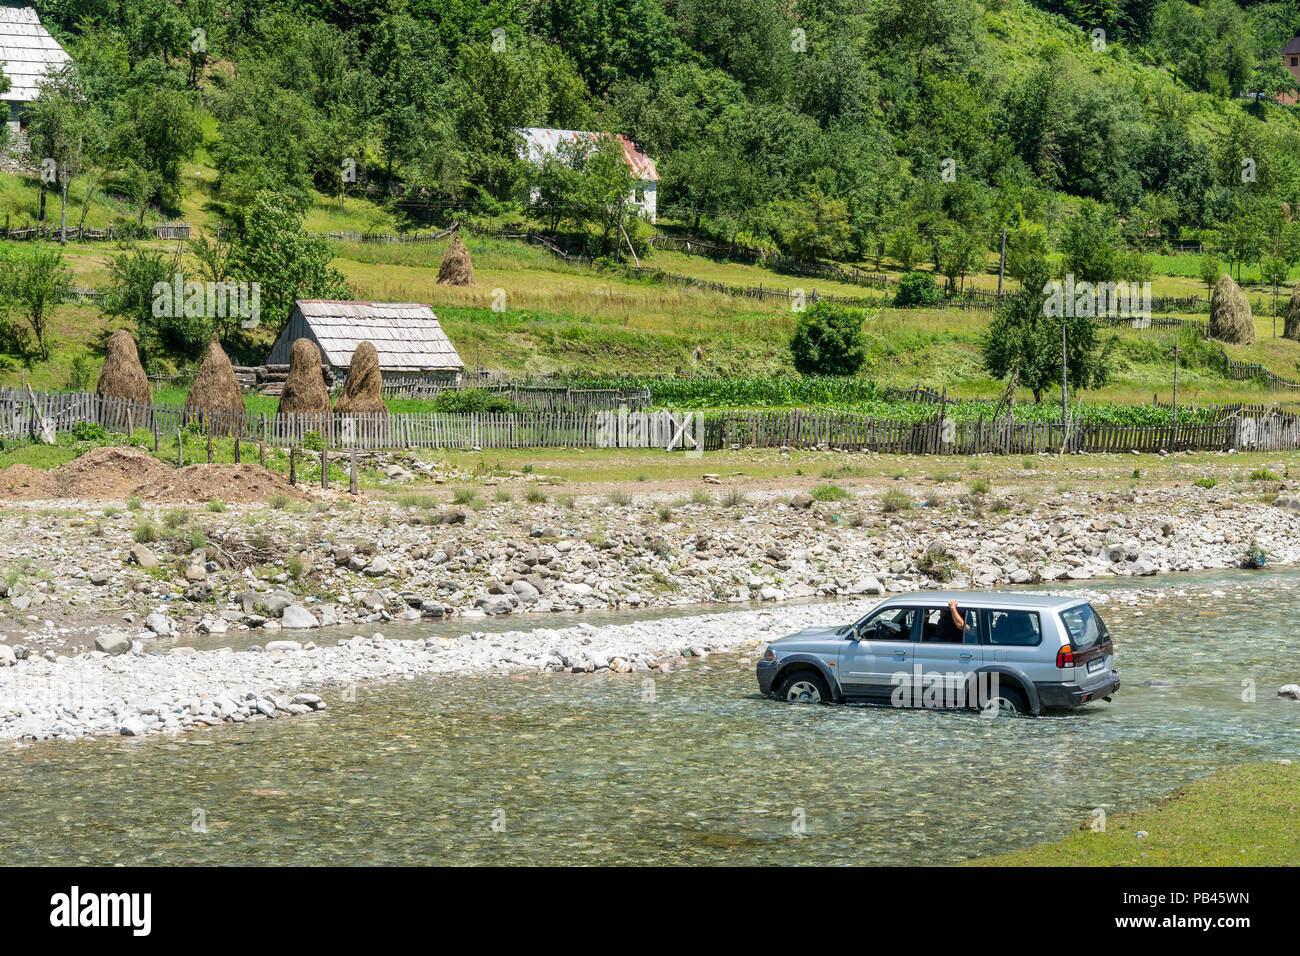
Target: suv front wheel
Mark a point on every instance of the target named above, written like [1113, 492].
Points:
[805, 687]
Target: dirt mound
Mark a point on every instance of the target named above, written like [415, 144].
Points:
[107, 473]
[25, 483]
[232, 483]
[457, 268]
[363, 391]
[304, 389]
[1230, 318]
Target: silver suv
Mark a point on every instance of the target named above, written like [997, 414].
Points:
[1023, 653]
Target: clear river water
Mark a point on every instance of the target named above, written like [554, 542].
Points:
[691, 768]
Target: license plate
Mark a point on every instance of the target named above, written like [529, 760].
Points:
[1096, 664]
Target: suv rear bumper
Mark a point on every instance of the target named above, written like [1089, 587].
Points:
[1055, 696]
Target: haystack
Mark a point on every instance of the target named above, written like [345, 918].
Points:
[456, 268]
[215, 390]
[304, 389]
[122, 375]
[1292, 328]
[363, 389]
[1230, 318]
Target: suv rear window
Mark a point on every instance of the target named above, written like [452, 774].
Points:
[1085, 627]
[1015, 628]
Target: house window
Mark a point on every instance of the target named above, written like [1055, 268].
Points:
[640, 195]
[1294, 60]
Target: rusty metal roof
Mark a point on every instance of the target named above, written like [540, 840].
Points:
[406, 335]
[27, 51]
[540, 142]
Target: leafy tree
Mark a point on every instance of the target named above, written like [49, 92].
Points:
[1089, 244]
[828, 340]
[63, 128]
[1024, 341]
[905, 246]
[133, 276]
[34, 283]
[1209, 269]
[276, 252]
[916, 288]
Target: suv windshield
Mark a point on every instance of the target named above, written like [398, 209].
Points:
[1085, 627]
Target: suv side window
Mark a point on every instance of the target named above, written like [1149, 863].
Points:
[938, 627]
[1015, 628]
[892, 624]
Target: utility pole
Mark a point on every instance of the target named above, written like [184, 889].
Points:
[1002, 259]
[1063, 373]
[1175, 376]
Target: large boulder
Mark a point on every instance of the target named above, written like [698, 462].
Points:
[1230, 318]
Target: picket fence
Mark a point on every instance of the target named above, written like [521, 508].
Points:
[24, 413]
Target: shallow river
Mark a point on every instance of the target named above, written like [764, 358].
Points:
[693, 767]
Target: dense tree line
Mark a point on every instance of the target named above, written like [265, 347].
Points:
[822, 128]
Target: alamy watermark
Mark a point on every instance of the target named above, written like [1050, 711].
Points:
[208, 300]
[1068, 299]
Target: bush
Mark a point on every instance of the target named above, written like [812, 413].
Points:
[89, 431]
[937, 563]
[916, 288]
[145, 533]
[1205, 482]
[829, 493]
[893, 501]
[1263, 474]
[472, 400]
[828, 340]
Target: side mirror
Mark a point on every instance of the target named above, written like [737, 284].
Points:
[864, 633]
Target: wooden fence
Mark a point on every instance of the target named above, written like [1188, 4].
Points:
[537, 398]
[53, 231]
[24, 413]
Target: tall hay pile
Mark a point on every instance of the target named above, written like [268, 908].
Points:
[122, 376]
[1292, 328]
[216, 391]
[304, 389]
[457, 268]
[1230, 318]
[363, 388]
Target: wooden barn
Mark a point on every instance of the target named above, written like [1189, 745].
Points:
[413, 349]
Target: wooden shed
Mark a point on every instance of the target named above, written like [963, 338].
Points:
[412, 346]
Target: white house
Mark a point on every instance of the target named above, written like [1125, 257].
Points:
[540, 142]
[27, 52]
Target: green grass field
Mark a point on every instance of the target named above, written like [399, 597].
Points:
[1242, 816]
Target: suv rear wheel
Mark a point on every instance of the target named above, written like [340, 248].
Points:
[1007, 702]
[805, 687]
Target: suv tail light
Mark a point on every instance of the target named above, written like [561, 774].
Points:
[1065, 656]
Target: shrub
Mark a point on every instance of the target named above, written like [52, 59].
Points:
[1263, 474]
[937, 562]
[312, 441]
[893, 501]
[279, 501]
[1205, 482]
[133, 504]
[472, 400]
[828, 340]
[980, 486]
[916, 288]
[619, 499]
[145, 532]
[734, 498]
[829, 493]
[216, 505]
[535, 496]
[463, 496]
[175, 518]
[89, 431]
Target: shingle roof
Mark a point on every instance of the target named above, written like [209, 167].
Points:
[26, 52]
[1292, 47]
[406, 335]
[540, 142]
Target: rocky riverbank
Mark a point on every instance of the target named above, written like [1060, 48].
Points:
[75, 573]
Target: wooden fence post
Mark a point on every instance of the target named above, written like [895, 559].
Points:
[352, 472]
[324, 468]
[236, 449]
[293, 464]
[261, 453]
[209, 445]
[180, 455]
